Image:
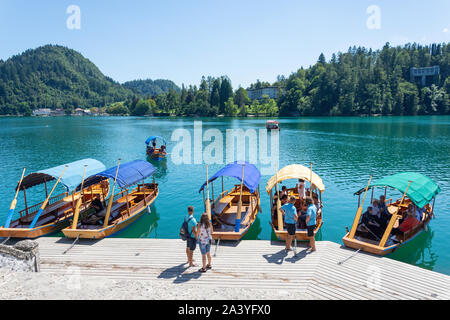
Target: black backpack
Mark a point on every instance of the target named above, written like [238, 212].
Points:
[184, 231]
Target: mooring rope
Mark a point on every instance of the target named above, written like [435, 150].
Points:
[348, 258]
[73, 244]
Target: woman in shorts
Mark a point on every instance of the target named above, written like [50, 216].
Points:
[204, 240]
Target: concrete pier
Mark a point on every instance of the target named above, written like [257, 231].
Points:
[249, 265]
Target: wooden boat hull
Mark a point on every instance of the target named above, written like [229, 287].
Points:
[102, 233]
[55, 224]
[300, 235]
[382, 251]
[157, 155]
[26, 233]
[232, 235]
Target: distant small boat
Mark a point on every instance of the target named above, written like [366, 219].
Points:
[121, 209]
[273, 125]
[155, 153]
[233, 212]
[294, 171]
[417, 190]
[55, 212]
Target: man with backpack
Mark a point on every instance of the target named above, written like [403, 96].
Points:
[190, 231]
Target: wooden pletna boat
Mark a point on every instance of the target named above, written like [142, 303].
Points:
[55, 212]
[121, 209]
[273, 125]
[155, 153]
[233, 212]
[295, 171]
[418, 192]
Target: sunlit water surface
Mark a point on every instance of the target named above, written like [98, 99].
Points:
[344, 152]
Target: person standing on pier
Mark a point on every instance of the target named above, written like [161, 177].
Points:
[311, 221]
[290, 218]
[191, 242]
[204, 239]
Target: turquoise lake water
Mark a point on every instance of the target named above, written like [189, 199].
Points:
[344, 152]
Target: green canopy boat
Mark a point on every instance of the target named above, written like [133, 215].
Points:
[383, 231]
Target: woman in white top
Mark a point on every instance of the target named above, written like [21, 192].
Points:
[301, 189]
[204, 239]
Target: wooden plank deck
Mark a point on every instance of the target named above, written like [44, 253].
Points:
[249, 264]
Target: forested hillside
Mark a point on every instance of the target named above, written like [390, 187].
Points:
[151, 87]
[363, 81]
[54, 77]
[358, 82]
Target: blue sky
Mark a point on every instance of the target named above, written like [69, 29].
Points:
[246, 40]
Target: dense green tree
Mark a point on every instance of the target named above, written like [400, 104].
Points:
[226, 92]
[241, 97]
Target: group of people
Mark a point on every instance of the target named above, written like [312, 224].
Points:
[377, 218]
[301, 213]
[201, 234]
[153, 148]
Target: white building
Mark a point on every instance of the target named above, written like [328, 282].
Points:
[42, 112]
[256, 94]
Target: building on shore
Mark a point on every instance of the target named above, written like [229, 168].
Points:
[424, 74]
[81, 112]
[257, 94]
[44, 112]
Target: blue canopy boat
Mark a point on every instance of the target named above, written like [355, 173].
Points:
[53, 213]
[156, 153]
[400, 221]
[121, 209]
[233, 212]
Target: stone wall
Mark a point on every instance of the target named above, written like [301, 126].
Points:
[23, 256]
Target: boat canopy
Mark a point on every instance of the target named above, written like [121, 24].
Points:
[295, 171]
[421, 191]
[252, 175]
[72, 177]
[129, 174]
[154, 139]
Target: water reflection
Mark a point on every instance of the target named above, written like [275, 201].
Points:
[160, 166]
[145, 227]
[418, 252]
[254, 231]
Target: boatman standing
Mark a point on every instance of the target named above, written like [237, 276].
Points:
[290, 218]
[311, 221]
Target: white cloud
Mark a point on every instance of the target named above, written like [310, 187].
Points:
[445, 30]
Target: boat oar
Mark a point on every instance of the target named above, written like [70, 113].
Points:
[359, 212]
[14, 202]
[111, 199]
[44, 205]
[78, 204]
[279, 214]
[238, 214]
[208, 201]
[311, 183]
[389, 227]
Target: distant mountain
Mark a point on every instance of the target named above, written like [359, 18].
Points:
[58, 77]
[151, 87]
[54, 77]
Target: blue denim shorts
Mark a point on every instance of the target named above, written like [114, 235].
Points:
[204, 248]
